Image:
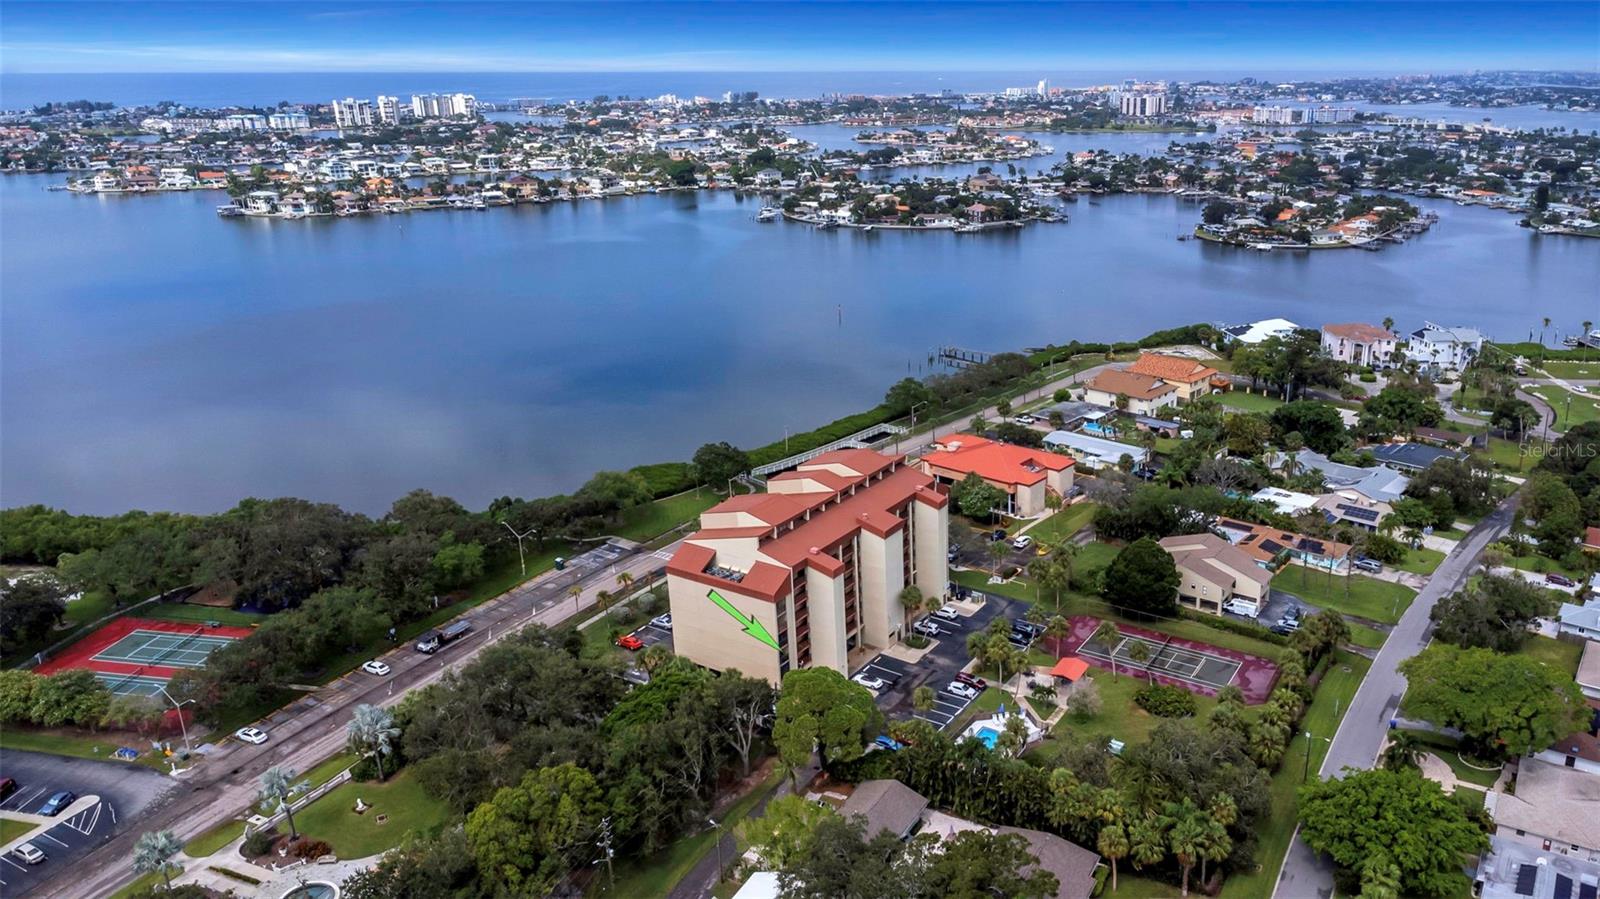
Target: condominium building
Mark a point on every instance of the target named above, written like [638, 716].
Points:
[443, 106]
[352, 113]
[1024, 474]
[288, 121]
[811, 571]
[389, 110]
[1142, 104]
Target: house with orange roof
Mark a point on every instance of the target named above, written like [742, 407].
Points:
[1137, 393]
[1191, 378]
[810, 572]
[1026, 474]
[1358, 343]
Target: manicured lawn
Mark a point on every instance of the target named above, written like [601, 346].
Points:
[1544, 565]
[1063, 524]
[145, 882]
[325, 771]
[643, 522]
[987, 703]
[184, 612]
[1249, 402]
[1366, 637]
[1421, 561]
[1368, 597]
[1322, 718]
[1563, 655]
[10, 829]
[1583, 408]
[1575, 370]
[1508, 455]
[1119, 718]
[657, 874]
[214, 839]
[83, 746]
[333, 819]
[1448, 751]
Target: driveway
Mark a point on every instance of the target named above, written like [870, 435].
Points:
[1361, 734]
[122, 791]
[940, 665]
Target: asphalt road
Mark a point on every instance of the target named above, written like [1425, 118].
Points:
[123, 791]
[312, 729]
[1360, 736]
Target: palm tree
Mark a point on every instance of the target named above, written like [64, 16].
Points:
[922, 698]
[1404, 751]
[276, 785]
[912, 599]
[1215, 844]
[1049, 574]
[997, 552]
[1066, 556]
[371, 731]
[1108, 636]
[1147, 839]
[1003, 655]
[624, 580]
[654, 656]
[1388, 323]
[1186, 838]
[1543, 329]
[154, 852]
[1113, 844]
[1056, 630]
[1140, 653]
[574, 591]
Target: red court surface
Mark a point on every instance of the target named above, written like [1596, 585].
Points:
[82, 653]
[1254, 677]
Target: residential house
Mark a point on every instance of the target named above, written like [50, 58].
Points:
[1189, 377]
[1516, 870]
[1581, 621]
[1354, 510]
[1359, 344]
[1139, 394]
[1095, 452]
[810, 571]
[1285, 502]
[1026, 475]
[1214, 574]
[1376, 484]
[1591, 540]
[1445, 347]
[886, 805]
[1073, 865]
[1272, 548]
[1555, 808]
[1441, 437]
[1412, 457]
[1580, 750]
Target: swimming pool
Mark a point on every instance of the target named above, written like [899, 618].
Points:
[988, 736]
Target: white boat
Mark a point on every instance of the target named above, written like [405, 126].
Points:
[767, 214]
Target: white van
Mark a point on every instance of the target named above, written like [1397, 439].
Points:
[1241, 607]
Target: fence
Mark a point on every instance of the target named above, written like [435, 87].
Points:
[256, 822]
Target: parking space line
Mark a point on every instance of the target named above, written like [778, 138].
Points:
[46, 835]
[30, 797]
[12, 864]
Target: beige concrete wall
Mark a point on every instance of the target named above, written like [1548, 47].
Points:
[881, 580]
[930, 531]
[739, 553]
[706, 635]
[1197, 591]
[1243, 585]
[825, 596]
[1060, 481]
[1030, 498]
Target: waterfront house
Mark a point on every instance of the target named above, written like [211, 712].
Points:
[1189, 377]
[1214, 574]
[261, 202]
[1095, 452]
[1257, 332]
[1139, 394]
[1025, 474]
[1451, 348]
[1359, 344]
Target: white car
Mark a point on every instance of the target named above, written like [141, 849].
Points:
[875, 684]
[947, 613]
[957, 688]
[663, 621]
[29, 853]
[1022, 542]
[252, 735]
[1024, 419]
[927, 628]
[375, 667]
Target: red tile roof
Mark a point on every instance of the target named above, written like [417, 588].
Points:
[1172, 368]
[1124, 383]
[1002, 463]
[1358, 331]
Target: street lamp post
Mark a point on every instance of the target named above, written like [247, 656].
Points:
[715, 826]
[521, 559]
[1306, 773]
[178, 707]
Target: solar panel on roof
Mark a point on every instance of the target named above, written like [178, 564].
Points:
[1358, 513]
[1563, 887]
[1526, 876]
[1311, 546]
[1586, 891]
[1272, 546]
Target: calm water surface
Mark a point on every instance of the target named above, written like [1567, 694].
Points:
[155, 356]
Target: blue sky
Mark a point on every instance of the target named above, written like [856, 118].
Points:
[1352, 37]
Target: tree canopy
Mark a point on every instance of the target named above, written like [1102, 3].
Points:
[1142, 579]
[1506, 705]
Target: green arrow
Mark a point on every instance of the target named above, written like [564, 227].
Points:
[751, 626]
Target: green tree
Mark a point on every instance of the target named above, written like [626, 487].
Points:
[277, 786]
[1107, 635]
[922, 698]
[30, 608]
[820, 711]
[1113, 844]
[371, 733]
[1399, 815]
[977, 498]
[1142, 580]
[525, 837]
[979, 864]
[1186, 837]
[718, 463]
[73, 696]
[1403, 753]
[783, 832]
[1506, 705]
[153, 853]
[17, 690]
[906, 393]
[1492, 613]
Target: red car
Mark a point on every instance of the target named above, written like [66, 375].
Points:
[971, 680]
[629, 641]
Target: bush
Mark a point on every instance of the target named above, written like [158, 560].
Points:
[1369, 377]
[666, 478]
[258, 843]
[1348, 391]
[1165, 701]
[309, 848]
[1244, 628]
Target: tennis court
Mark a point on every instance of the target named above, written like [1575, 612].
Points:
[1181, 662]
[131, 684]
[144, 647]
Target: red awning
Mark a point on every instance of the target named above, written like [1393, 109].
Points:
[1070, 667]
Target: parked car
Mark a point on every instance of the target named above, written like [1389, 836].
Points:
[375, 667]
[1292, 614]
[56, 803]
[1290, 625]
[1023, 624]
[630, 642]
[890, 743]
[951, 553]
[1560, 580]
[996, 535]
[1282, 629]
[8, 785]
[875, 684]
[1024, 419]
[29, 854]
[663, 621]
[972, 680]
[957, 688]
[252, 735]
[1022, 543]
[927, 628]
[1370, 565]
[946, 613]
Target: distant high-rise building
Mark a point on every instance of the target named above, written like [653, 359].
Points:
[1142, 104]
[352, 113]
[288, 121]
[443, 106]
[1044, 87]
[388, 110]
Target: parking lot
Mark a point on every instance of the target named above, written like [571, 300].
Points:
[123, 791]
[650, 635]
[938, 668]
